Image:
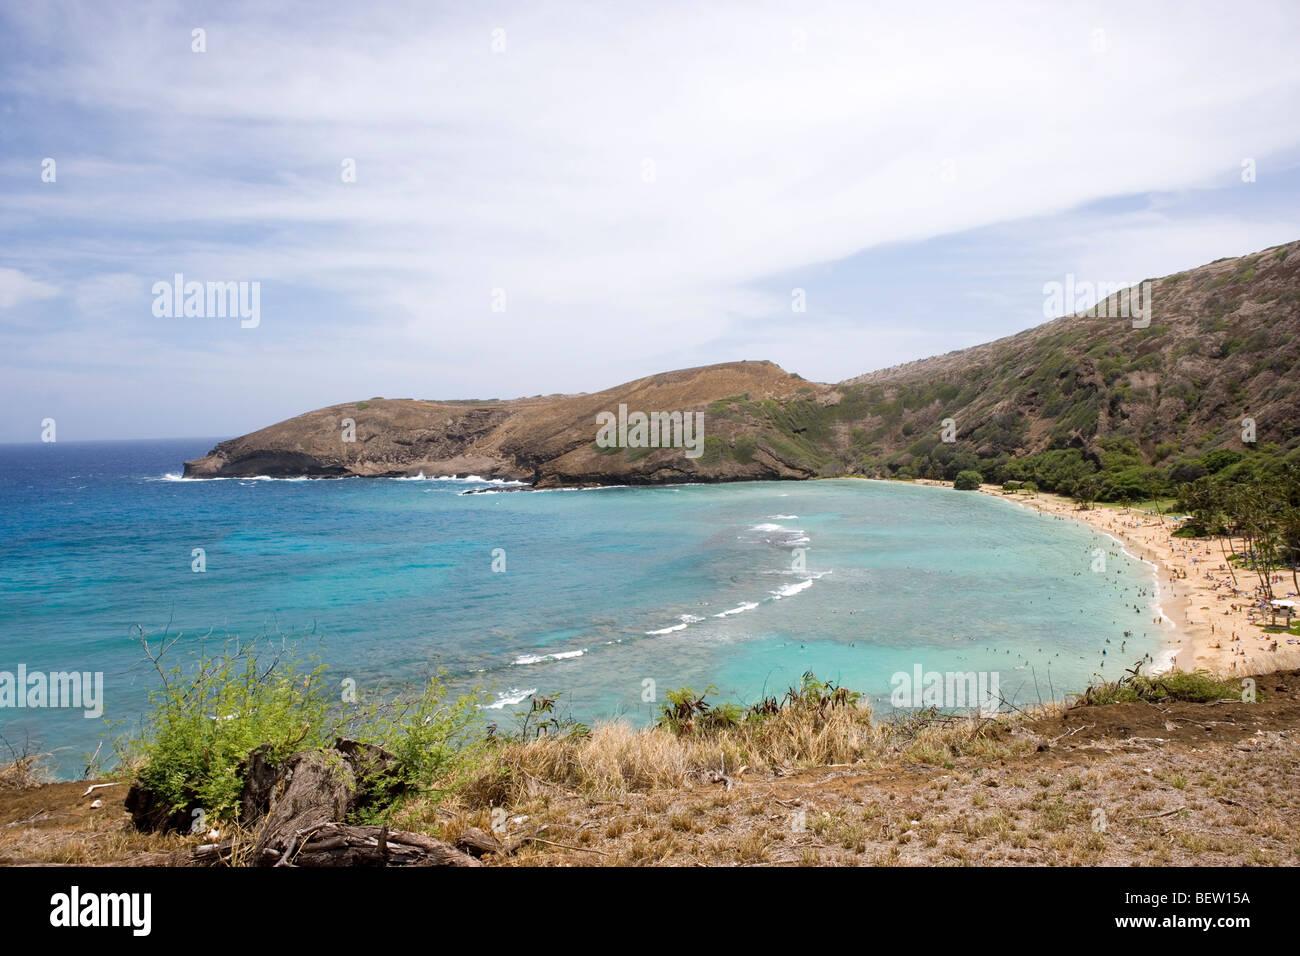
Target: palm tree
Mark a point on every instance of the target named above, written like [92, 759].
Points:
[1086, 491]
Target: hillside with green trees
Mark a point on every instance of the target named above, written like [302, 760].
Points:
[1092, 407]
[1084, 405]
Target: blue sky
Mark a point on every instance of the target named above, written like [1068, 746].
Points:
[920, 174]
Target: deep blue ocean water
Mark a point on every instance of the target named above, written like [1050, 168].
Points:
[602, 591]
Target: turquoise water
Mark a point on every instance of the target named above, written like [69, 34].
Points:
[603, 590]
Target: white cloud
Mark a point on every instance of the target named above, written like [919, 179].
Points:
[523, 170]
[16, 287]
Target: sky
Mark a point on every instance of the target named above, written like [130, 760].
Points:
[448, 200]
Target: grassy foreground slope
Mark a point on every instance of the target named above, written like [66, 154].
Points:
[1180, 769]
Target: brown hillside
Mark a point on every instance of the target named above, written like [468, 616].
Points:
[1221, 346]
[545, 441]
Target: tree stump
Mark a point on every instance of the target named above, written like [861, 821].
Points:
[318, 789]
[299, 806]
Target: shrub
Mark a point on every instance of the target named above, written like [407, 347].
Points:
[743, 448]
[712, 452]
[967, 480]
[24, 770]
[1196, 686]
[432, 734]
[206, 718]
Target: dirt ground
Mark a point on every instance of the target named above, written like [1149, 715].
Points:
[62, 824]
[1122, 784]
[1137, 783]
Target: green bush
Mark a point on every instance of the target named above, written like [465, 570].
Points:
[1199, 687]
[204, 720]
[967, 480]
[712, 452]
[432, 735]
[206, 717]
[743, 448]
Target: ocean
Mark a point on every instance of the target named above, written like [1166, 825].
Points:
[608, 596]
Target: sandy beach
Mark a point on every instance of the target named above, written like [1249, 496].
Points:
[1208, 622]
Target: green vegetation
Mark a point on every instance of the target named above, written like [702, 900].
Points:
[1196, 687]
[1156, 505]
[1090, 408]
[711, 454]
[206, 717]
[452, 771]
[1119, 472]
[1256, 517]
[743, 448]
[967, 481]
[688, 711]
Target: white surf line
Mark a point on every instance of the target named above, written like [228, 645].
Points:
[744, 606]
[523, 659]
[787, 590]
[686, 620]
[509, 698]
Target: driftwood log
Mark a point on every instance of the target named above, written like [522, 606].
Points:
[337, 844]
[297, 809]
[475, 842]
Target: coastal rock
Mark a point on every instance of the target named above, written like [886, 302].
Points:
[150, 813]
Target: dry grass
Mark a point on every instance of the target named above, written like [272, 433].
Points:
[1100, 805]
[615, 759]
[1181, 783]
[1173, 783]
[23, 772]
